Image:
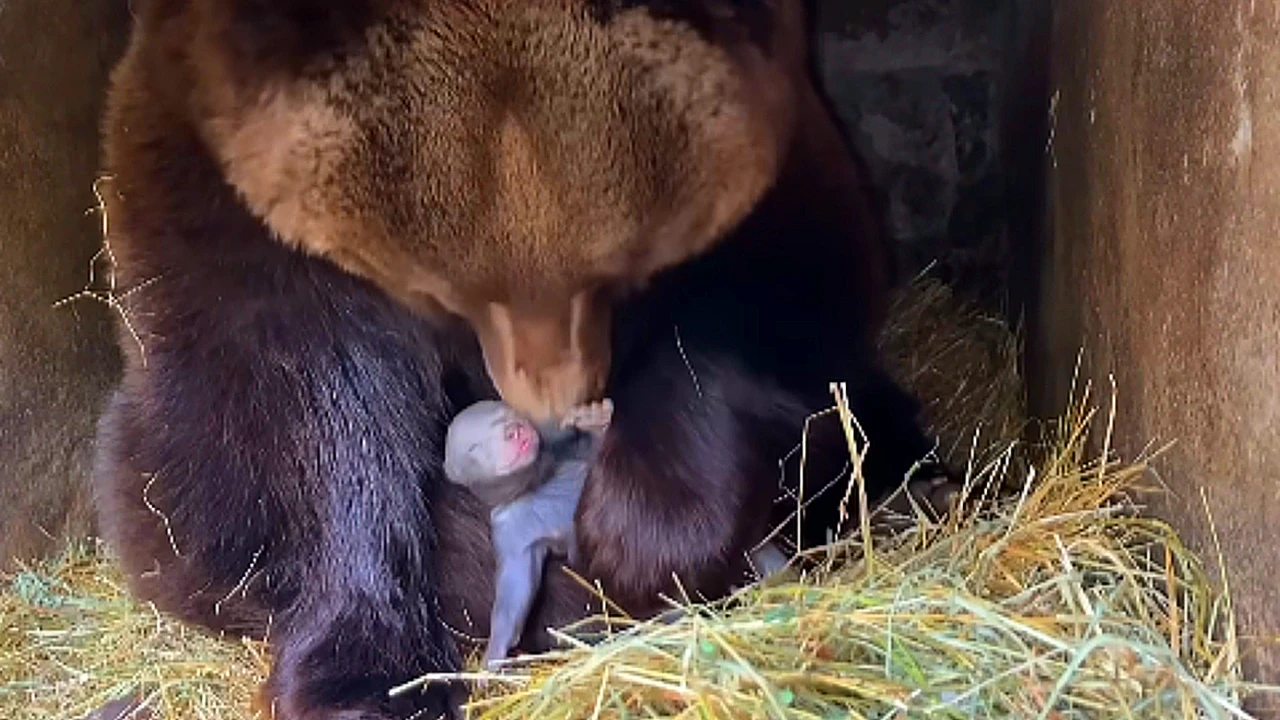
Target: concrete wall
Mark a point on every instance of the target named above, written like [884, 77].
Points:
[1164, 260]
[55, 363]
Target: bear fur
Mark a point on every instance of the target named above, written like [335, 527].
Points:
[342, 221]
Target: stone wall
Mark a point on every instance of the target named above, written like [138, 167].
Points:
[1164, 261]
[920, 84]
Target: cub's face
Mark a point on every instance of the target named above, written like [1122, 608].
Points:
[488, 442]
[515, 162]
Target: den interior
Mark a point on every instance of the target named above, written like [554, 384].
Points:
[1096, 174]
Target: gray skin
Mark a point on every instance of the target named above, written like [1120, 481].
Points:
[532, 482]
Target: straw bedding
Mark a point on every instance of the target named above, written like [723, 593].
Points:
[1057, 600]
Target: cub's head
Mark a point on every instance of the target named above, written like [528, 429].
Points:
[518, 163]
[489, 443]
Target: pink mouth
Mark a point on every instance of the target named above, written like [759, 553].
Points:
[526, 441]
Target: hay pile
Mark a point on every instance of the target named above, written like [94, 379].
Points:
[1058, 602]
[962, 362]
[72, 640]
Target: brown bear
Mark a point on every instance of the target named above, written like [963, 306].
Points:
[342, 221]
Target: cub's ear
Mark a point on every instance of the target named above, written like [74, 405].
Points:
[285, 35]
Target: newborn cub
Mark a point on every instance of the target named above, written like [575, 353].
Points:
[531, 484]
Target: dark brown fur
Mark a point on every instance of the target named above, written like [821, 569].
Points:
[303, 188]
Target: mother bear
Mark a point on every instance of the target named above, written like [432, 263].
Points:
[336, 222]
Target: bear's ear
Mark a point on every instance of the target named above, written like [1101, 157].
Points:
[285, 35]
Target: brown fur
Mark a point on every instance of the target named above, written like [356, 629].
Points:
[56, 361]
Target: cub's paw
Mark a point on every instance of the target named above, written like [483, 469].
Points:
[591, 417]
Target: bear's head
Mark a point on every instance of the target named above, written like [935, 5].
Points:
[518, 163]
